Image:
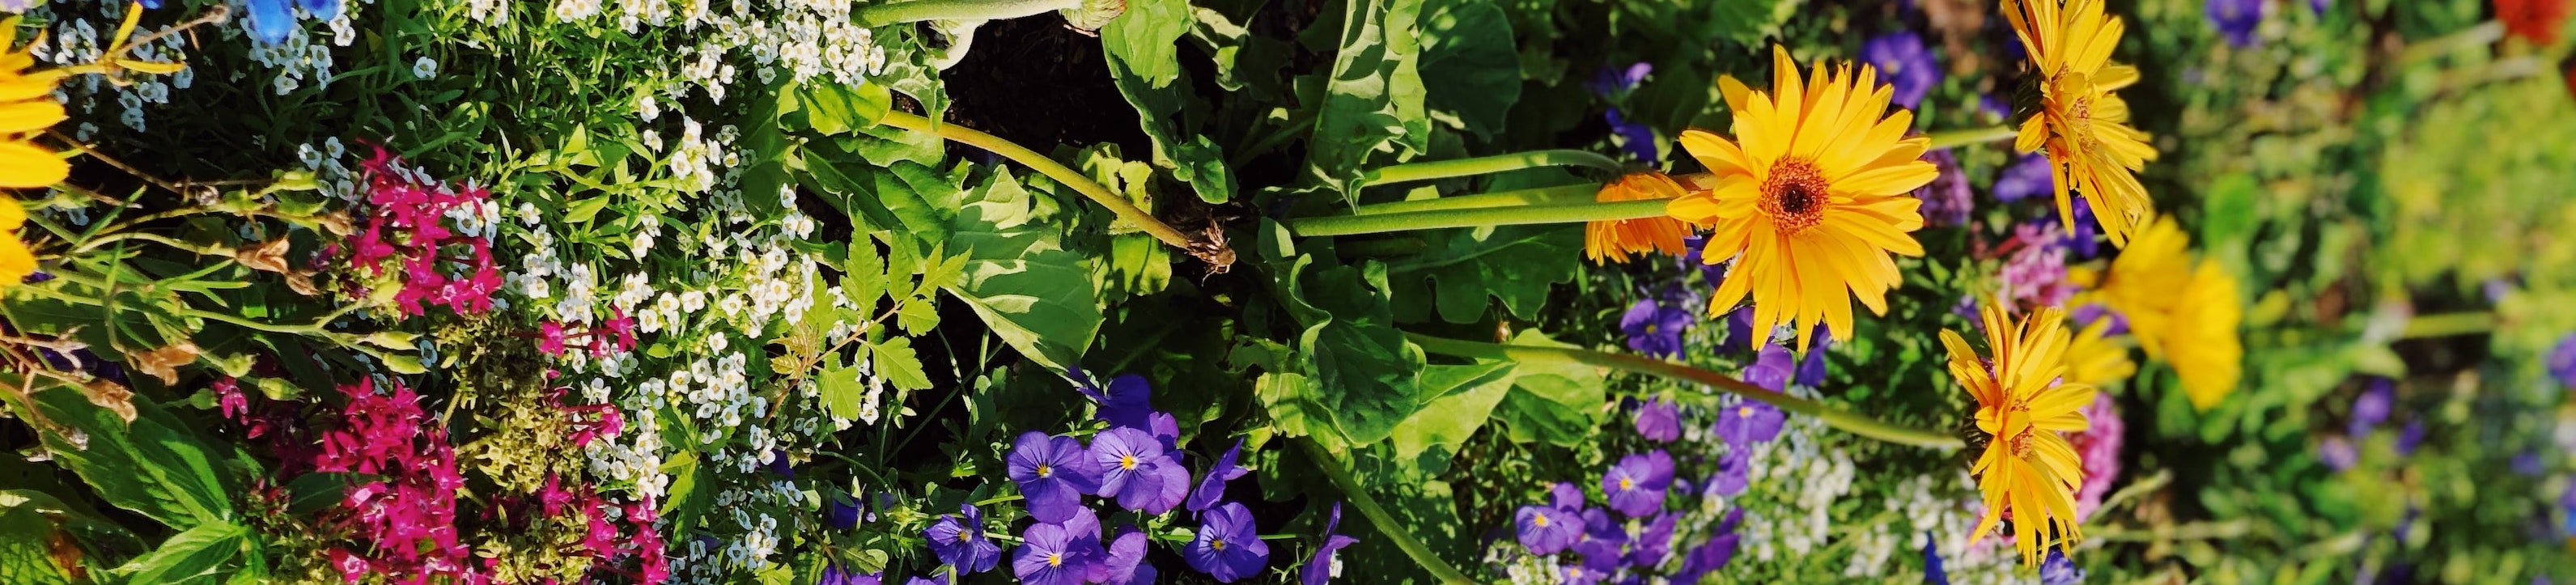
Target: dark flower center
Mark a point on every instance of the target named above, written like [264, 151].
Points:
[1794, 195]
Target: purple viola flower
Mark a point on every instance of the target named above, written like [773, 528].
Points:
[1710, 274]
[2084, 316]
[1772, 368]
[2372, 407]
[1578, 574]
[1659, 420]
[1932, 573]
[960, 541]
[2236, 19]
[1320, 568]
[1227, 546]
[1749, 422]
[2320, 6]
[1635, 486]
[2562, 361]
[1655, 328]
[1904, 64]
[1713, 554]
[1128, 402]
[2026, 177]
[2410, 437]
[2086, 241]
[841, 512]
[834, 575]
[1566, 496]
[2337, 453]
[1636, 138]
[2059, 570]
[1610, 81]
[1134, 469]
[1126, 562]
[2567, 505]
[1547, 530]
[1605, 545]
[1653, 542]
[1995, 106]
[1811, 370]
[1051, 555]
[1734, 473]
[1212, 485]
[1053, 473]
[918, 580]
[1739, 331]
[1947, 199]
[2528, 463]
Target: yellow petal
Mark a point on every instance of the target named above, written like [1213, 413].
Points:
[24, 166]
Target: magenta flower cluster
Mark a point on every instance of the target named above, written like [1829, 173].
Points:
[408, 230]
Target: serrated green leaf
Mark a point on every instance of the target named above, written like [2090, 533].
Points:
[896, 362]
[841, 391]
[833, 108]
[1470, 69]
[916, 315]
[1461, 269]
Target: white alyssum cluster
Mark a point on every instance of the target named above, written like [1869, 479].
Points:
[79, 34]
[1812, 471]
[635, 456]
[701, 563]
[1942, 508]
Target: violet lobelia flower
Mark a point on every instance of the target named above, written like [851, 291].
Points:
[1659, 420]
[1655, 328]
[1052, 555]
[1321, 567]
[1749, 422]
[2562, 361]
[1126, 561]
[1947, 199]
[1635, 486]
[1547, 530]
[1135, 471]
[959, 541]
[2236, 19]
[1053, 473]
[1212, 485]
[1904, 64]
[2371, 408]
[1227, 546]
[2026, 177]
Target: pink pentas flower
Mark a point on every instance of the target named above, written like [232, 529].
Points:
[407, 223]
[2098, 450]
[229, 399]
[2035, 271]
[550, 338]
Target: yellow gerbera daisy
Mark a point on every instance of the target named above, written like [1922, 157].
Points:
[2095, 359]
[2202, 344]
[26, 107]
[2082, 125]
[1617, 239]
[16, 261]
[1813, 200]
[2028, 467]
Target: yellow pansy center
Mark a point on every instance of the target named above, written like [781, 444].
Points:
[1045, 470]
[1127, 462]
[1794, 195]
[1744, 411]
[1539, 519]
[1627, 483]
[1217, 543]
[1055, 559]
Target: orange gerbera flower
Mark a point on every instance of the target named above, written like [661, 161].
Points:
[1616, 239]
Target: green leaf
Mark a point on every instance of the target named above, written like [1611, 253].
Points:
[834, 108]
[1143, 56]
[152, 465]
[842, 392]
[915, 77]
[1460, 400]
[188, 555]
[313, 492]
[586, 209]
[1469, 66]
[1364, 371]
[1461, 268]
[916, 315]
[896, 361]
[1374, 97]
[24, 554]
[1036, 296]
[1557, 403]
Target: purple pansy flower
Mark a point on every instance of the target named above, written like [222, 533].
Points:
[1128, 402]
[1050, 554]
[1659, 420]
[1811, 371]
[841, 512]
[918, 580]
[834, 575]
[1635, 486]
[2337, 453]
[1947, 199]
[1734, 473]
[1135, 471]
[1085, 528]
[2562, 361]
[1319, 568]
[1771, 369]
[960, 541]
[1635, 138]
[1655, 328]
[1227, 546]
[2236, 19]
[1566, 496]
[2410, 437]
[1713, 554]
[2371, 408]
[1749, 422]
[1739, 332]
[2085, 315]
[2059, 570]
[1126, 562]
[1547, 530]
[1605, 545]
[2026, 177]
[1711, 274]
[1904, 64]
[1212, 485]
[2528, 463]
[1654, 541]
[1053, 473]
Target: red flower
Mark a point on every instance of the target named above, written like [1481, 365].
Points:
[2536, 20]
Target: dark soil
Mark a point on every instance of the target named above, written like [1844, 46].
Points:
[1038, 82]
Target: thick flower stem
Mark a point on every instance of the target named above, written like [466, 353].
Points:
[1116, 203]
[1578, 193]
[1848, 421]
[1951, 138]
[877, 15]
[1442, 169]
[1343, 225]
[2448, 325]
[1386, 523]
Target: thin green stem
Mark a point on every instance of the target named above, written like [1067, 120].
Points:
[1343, 225]
[997, 500]
[1442, 169]
[1841, 419]
[2448, 325]
[1950, 138]
[877, 15]
[2485, 33]
[201, 250]
[1054, 170]
[1386, 523]
[1581, 193]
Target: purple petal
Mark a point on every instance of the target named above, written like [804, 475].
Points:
[1212, 486]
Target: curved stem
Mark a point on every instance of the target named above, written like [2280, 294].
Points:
[1855, 423]
[1442, 169]
[1950, 138]
[1385, 523]
[1343, 225]
[2447, 325]
[877, 15]
[1054, 170]
[1578, 193]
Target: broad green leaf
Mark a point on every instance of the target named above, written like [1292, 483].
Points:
[24, 554]
[1035, 295]
[834, 108]
[1461, 268]
[842, 392]
[191, 556]
[1469, 66]
[313, 492]
[896, 362]
[586, 209]
[1364, 371]
[1144, 61]
[914, 76]
[1461, 400]
[1557, 403]
[1374, 97]
[916, 315]
[151, 466]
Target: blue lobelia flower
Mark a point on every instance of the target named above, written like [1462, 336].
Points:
[2236, 19]
[1212, 485]
[1654, 327]
[2371, 408]
[959, 541]
[1320, 568]
[321, 9]
[1635, 487]
[1659, 420]
[1135, 471]
[1049, 554]
[1904, 64]
[1053, 473]
[270, 20]
[1227, 546]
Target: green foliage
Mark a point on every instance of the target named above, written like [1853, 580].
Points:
[1373, 98]
[1459, 269]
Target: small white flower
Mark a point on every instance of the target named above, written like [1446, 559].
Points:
[424, 68]
[286, 84]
